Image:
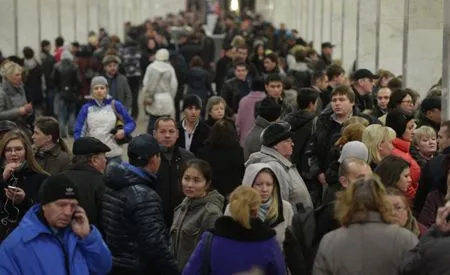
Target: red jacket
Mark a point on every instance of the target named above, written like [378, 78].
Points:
[58, 53]
[401, 149]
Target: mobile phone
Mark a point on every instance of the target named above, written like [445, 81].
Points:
[13, 188]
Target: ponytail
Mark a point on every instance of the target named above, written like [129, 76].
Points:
[243, 201]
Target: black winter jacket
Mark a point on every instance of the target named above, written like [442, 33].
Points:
[233, 91]
[199, 84]
[198, 141]
[133, 223]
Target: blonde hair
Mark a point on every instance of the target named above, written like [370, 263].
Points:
[373, 135]
[8, 68]
[365, 195]
[356, 120]
[423, 131]
[213, 101]
[351, 132]
[243, 200]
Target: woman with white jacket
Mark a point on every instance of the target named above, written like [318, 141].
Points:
[160, 86]
[273, 210]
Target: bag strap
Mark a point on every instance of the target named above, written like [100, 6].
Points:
[206, 264]
[118, 116]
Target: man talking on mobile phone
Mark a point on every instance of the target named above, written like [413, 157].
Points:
[55, 237]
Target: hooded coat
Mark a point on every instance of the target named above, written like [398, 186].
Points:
[193, 217]
[285, 210]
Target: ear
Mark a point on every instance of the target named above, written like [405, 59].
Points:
[343, 181]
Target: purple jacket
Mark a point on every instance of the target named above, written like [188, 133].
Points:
[236, 249]
[246, 113]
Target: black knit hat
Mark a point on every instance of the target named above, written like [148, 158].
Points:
[275, 133]
[192, 100]
[56, 188]
[397, 120]
[269, 109]
[430, 103]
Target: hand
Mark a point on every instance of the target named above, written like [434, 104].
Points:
[80, 223]
[28, 108]
[148, 101]
[120, 134]
[9, 169]
[322, 179]
[22, 111]
[15, 195]
[441, 219]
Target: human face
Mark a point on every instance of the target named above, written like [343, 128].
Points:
[264, 184]
[242, 53]
[166, 134]
[194, 183]
[366, 84]
[285, 148]
[15, 78]
[322, 84]
[341, 105]
[340, 80]
[404, 181]
[327, 51]
[443, 139]
[260, 51]
[383, 97]
[241, 72]
[15, 151]
[99, 161]
[111, 68]
[39, 138]
[356, 171]
[385, 148]
[59, 213]
[407, 104]
[192, 114]
[434, 115]
[400, 210]
[99, 92]
[274, 89]
[151, 44]
[427, 145]
[408, 134]
[384, 81]
[217, 111]
[269, 66]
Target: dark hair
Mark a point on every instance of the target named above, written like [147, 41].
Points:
[310, 52]
[50, 126]
[272, 56]
[390, 169]
[334, 70]
[397, 97]
[316, 76]
[273, 77]
[202, 166]
[223, 134]
[300, 56]
[45, 43]
[75, 44]
[28, 52]
[394, 84]
[239, 62]
[344, 90]
[306, 96]
[59, 41]
[196, 61]
[164, 119]
[258, 84]
[288, 82]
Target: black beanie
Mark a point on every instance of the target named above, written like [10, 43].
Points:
[269, 109]
[275, 133]
[397, 120]
[192, 100]
[56, 188]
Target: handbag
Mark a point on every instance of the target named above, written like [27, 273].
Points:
[206, 263]
[119, 126]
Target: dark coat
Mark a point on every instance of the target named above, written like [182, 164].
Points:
[91, 185]
[198, 83]
[434, 200]
[54, 161]
[48, 64]
[424, 121]
[133, 223]
[233, 91]
[189, 50]
[222, 66]
[68, 81]
[363, 102]
[198, 141]
[227, 165]
[168, 184]
[208, 51]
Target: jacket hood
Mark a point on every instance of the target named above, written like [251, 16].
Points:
[299, 119]
[30, 63]
[213, 197]
[161, 66]
[261, 122]
[229, 228]
[251, 172]
[119, 176]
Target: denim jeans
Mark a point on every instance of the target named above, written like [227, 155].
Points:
[66, 113]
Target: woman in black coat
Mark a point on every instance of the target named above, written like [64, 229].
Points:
[225, 156]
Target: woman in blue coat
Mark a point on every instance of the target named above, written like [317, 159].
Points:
[238, 243]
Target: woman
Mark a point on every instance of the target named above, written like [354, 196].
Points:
[239, 242]
[198, 82]
[148, 54]
[273, 210]
[367, 243]
[13, 100]
[384, 77]
[404, 125]
[215, 110]
[258, 57]
[424, 145]
[223, 152]
[51, 151]
[197, 212]
[394, 172]
[99, 118]
[402, 99]
[402, 212]
[378, 139]
[21, 179]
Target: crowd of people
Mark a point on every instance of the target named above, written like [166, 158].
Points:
[270, 160]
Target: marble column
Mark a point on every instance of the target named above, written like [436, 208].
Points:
[49, 20]
[317, 28]
[391, 35]
[349, 42]
[112, 11]
[68, 20]
[336, 28]
[445, 110]
[327, 6]
[367, 43]
[423, 64]
[82, 28]
[93, 15]
[303, 28]
[8, 28]
[27, 25]
[310, 24]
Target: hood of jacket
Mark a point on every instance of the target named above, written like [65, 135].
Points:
[30, 63]
[213, 197]
[261, 122]
[251, 172]
[161, 66]
[119, 176]
[299, 119]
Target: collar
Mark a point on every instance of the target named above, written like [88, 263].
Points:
[183, 124]
[370, 217]
[334, 117]
[274, 153]
[140, 172]
[229, 228]
[53, 151]
[401, 144]
[34, 224]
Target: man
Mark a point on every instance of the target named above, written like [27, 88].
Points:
[242, 55]
[336, 77]
[319, 82]
[55, 237]
[274, 89]
[75, 48]
[172, 160]
[236, 88]
[434, 172]
[430, 114]
[383, 97]
[48, 64]
[362, 87]
[86, 171]
[222, 66]
[132, 214]
[268, 112]
[326, 58]
[59, 48]
[117, 82]
[271, 65]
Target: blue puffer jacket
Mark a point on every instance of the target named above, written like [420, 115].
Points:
[33, 249]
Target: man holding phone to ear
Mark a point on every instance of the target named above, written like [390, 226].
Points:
[55, 237]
